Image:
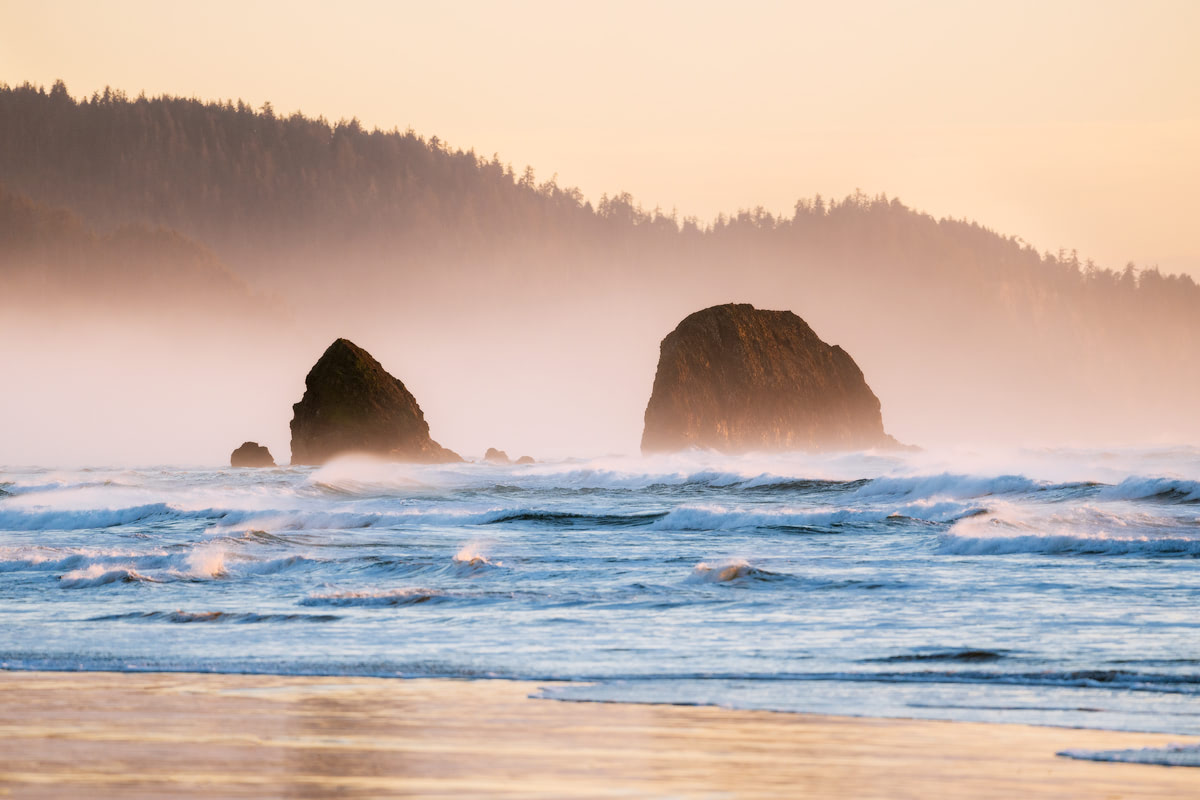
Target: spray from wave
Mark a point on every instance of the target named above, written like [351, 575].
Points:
[732, 572]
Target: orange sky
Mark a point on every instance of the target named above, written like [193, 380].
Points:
[1071, 124]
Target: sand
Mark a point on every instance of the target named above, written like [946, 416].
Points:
[186, 735]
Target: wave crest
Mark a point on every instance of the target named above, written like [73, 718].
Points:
[713, 517]
[1170, 490]
[470, 559]
[1072, 531]
[1173, 755]
[234, 617]
[100, 575]
[734, 571]
[390, 597]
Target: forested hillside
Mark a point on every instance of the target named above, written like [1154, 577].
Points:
[230, 174]
[232, 177]
[959, 329]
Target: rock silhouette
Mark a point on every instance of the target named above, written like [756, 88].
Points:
[494, 456]
[251, 454]
[352, 405]
[735, 378]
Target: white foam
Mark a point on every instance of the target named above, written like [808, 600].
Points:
[1081, 530]
[948, 485]
[1173, 755]
[390, 597]
[727, 572]
[365, 476]
[43, 519]
[271, 566]
[22, 489]
[206, 561]
[471, 556]
[100, 575]
[908, 476]
[1141, 488]
[16, 559]
[312, 519]
[81, 567]
[1068, 545]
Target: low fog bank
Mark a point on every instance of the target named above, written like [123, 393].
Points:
[92, 388]
[548, 370]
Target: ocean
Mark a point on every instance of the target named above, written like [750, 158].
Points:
[1056, 587]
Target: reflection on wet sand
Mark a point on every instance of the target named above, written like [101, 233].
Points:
[185, 735]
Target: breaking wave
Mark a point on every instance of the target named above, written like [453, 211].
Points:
[369, 599]
[470, 560]
[1169, 490]
[43, 519]
[949, 656]
[709, 518]
[962, 487]
[233, 617]
[201, 563]
[568, 519]
[1173, 755]
[206, 560]
[17, 559]
[425, 517]
[1068, 545]
[16, 489]
[732, 572]
[1082, 530]
[98, 575]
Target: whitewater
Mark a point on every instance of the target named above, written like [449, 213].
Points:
[1041, 586]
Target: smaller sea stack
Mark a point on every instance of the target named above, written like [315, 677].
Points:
[352, 405]
[735, 378]
[251, 454]
[494, 456]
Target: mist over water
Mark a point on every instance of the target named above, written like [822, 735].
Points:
[1044, 586]
[552, 378]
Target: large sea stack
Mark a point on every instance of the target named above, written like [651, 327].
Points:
[352, 405]
[735, 378]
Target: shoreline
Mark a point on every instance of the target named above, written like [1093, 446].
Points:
[536, 684]
[143, 734]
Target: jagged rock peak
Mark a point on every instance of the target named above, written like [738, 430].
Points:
[352, 405]
[736, 378]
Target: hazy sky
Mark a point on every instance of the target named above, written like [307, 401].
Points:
[1071, 124]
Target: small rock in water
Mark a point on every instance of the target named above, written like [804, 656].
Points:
[526, 460]
[251, 454]
[494, 456]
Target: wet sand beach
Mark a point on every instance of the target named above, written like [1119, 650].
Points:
[132, 735]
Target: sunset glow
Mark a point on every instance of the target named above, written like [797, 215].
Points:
[576, 400]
